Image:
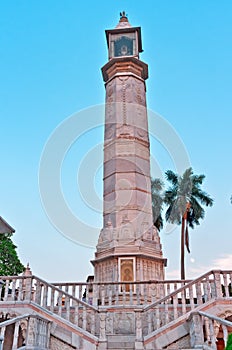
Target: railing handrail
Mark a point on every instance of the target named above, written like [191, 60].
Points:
[119, 282]
[21, 317]
[215, 318]
[52, 287]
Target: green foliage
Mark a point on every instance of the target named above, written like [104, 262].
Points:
[229, 342]
[10, 264]
[186, 189]
[157, 202]
[184, 200]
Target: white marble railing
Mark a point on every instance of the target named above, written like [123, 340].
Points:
[208, 329]
[214, 284]
[116, 293]
[93, 306]
[50, 297]
[36, 333]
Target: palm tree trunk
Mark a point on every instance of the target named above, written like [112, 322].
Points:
[182, 267]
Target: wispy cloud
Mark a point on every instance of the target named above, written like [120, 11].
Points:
[223, 262]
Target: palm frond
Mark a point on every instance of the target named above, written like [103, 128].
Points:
[157, 202]
[171, 177]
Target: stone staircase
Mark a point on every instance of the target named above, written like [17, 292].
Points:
[151, 315]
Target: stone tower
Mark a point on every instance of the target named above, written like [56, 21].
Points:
[129, 246]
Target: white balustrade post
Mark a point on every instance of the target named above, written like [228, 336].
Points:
[138, 330]
[102, 336]
[196, 330]
[1, 342]
[225, 333]
[15, 336]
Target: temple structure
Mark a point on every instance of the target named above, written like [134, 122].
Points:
[128, 304]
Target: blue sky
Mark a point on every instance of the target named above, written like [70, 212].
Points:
[50, 59]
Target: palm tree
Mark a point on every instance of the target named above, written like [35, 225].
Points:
[157, 202]
[184, 199]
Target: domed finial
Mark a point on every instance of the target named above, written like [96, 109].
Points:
[27, 271]
[123, 17]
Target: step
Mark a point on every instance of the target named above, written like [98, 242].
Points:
[121, 342]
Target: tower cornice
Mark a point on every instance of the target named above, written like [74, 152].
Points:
[130, 65]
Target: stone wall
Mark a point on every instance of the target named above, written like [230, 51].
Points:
[182, 343]
[57, 344]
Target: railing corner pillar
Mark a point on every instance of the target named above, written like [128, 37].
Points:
[102, 336]
[138, 330]
[196, 330]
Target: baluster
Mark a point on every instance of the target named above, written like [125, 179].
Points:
[67, 305]
[131, 286]
[191, 297]
[2, 331]
[13, 296]
[199, 294]
[213, 289]
[80, 292]
[45, 295]
[52, 299]
[211, 334]
[28, 288]
[166, 313]
[20, 290]
[38, 292]
[74, 290]
[137, 294]
[110, 295]
[225, 284]
[6, 291]
[205, 297]
[66, 289]
[207, 331]
[208, 288]
[87, 293]
[84, 319]
[168, 289]
[1, 288]
[95, 294]
[225, 333]
[175, 305]
[183, 300]
[161, 291]
[230, 285]
[76, 314]
[145, 293]
[16, 335]
[117, 294]
[153, 293]
[59, 302]
[124, 293]
[103, 295]
[92, 326]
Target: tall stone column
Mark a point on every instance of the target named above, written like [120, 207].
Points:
[128, 235]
